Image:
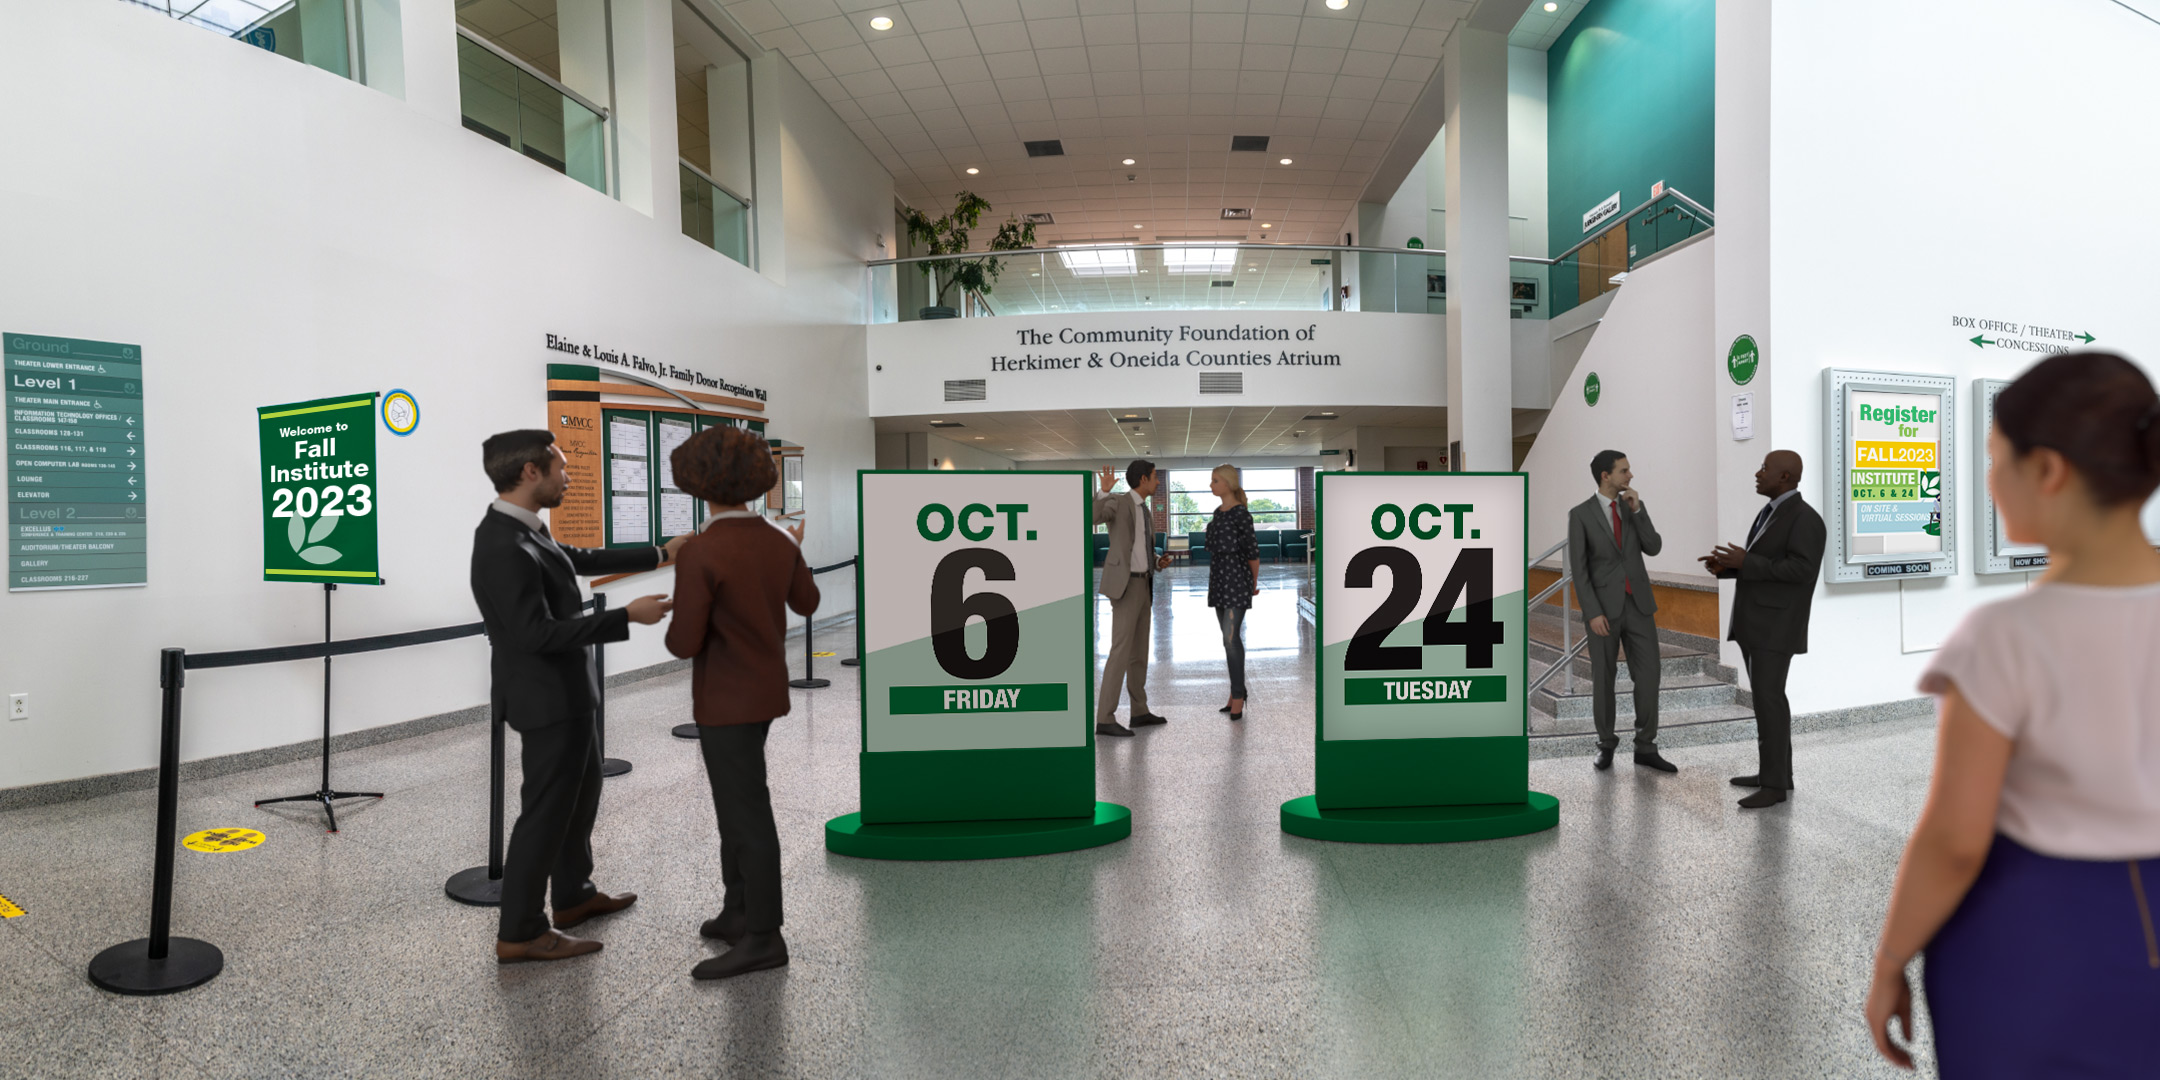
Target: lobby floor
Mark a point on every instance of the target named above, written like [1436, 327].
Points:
[1659, 931]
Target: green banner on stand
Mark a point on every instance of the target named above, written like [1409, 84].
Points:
[976, 627]
[320, 491]
[1421, 698]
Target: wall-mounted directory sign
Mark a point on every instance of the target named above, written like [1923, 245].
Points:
[78, 463]
[977, 646]
[1997, 554]
[320, 490]
[1890, 444]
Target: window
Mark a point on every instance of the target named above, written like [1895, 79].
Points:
[1271, 495]
[1184, 259]
[712, 136]
[310, 31]
[1096, 260]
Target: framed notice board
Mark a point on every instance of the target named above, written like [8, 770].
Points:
[622, 479]
[1890, 442]
[1997, 554]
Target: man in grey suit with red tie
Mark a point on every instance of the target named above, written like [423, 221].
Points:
[1608, 535]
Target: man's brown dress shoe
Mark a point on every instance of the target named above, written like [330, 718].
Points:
[553, 945]
[600, 904]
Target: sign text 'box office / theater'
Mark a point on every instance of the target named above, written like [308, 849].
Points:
[1423, 631]
[977, 643]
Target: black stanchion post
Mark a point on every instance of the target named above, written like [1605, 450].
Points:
[481, 886]
[161, 963]
[608, 766]
[809, 681]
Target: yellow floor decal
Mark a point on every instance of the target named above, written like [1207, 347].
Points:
[217, 841]
[9, 909]
[824, 654]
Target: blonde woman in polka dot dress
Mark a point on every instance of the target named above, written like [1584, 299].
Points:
[1233, 575]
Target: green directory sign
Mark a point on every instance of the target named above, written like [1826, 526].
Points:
[1422, 701]
[975, 618]
[320, 490]
[78, 515]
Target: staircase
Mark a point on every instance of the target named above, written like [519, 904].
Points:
[1693, 687]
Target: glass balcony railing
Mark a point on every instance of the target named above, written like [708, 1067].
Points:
[517, 106]
[1227, 276]
[714, 216]
[1601, 262]
[310, 31]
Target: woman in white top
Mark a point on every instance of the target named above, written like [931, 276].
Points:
[2030, 878]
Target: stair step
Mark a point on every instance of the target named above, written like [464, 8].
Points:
[1670, 724]
[1684, 692]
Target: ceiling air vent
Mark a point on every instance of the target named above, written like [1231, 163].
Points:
[1255, 143]
[1228, 283]
[1054, 148]
[1222, 382]
[966, 390]
[1320, 416]
[948, 423]
[1237, 213]
[1038, 219]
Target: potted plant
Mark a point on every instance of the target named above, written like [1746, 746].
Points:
[948, 235]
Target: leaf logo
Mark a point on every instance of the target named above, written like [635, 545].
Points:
[306, 541]
[1931, 485]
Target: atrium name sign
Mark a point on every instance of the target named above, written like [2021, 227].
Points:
[630, 361]
[1167, 347]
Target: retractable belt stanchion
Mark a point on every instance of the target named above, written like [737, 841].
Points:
[162, 963]
[608, 766]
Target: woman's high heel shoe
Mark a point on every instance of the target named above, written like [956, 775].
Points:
[1238, 714]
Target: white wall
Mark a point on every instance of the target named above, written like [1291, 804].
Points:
[267, 232]
[1649, 356]
[1936, 175]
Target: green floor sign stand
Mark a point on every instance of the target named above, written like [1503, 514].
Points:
[976, 629]
[1421, 715]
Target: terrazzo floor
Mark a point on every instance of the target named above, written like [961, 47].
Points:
[1659, 931]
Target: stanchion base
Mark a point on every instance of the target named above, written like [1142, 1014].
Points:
[847, 835]
[686, 731]
[1420, 824]
[852, 661]
[809, 684]
[126, 968]
[613, 766]
[473, 886]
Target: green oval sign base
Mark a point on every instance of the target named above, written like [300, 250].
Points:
[1302, 816]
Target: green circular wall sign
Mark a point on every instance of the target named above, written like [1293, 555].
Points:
[1591, 388]
[1415, 243]
[1742, 359]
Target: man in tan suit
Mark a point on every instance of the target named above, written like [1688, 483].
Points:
[1128, 579]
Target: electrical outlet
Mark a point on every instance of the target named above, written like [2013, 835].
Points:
[18, 706]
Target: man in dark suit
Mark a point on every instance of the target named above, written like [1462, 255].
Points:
[545, 686]
[1608, 535]
[1776, 570]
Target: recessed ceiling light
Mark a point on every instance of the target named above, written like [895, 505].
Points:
[1337, 5]
[1552, 7]
[972, 170]
[1037, 273]
[1267, 225]
[883, 23]
[1128, 161]
[979, 438]
[1286, 161]
[1136, 226]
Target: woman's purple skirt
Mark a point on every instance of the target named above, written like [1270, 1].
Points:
[2048, 969]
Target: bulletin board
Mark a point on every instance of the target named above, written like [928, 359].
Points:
[1890, 441]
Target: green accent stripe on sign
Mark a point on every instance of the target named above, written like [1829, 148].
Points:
[356, 403]
[1422, 691]
[324, 573]
[1021, 697]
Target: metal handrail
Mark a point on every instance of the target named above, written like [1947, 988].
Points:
[1241, 245]
[1567, 659]
[717, 185]
[1622, 219]
[553, 82]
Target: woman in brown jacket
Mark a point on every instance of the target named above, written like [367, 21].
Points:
[731, 583]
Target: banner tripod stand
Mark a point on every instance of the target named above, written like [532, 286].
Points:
[325, 795]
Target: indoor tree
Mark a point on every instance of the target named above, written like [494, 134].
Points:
[948, 235]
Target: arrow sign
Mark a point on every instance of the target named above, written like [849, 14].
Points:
[131, 451]
[1982, 341]
[132, 496]
[131, 481]
[131, 421]
[2087, 338]
[131, 436]
[132, 466]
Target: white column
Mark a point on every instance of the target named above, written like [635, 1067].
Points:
[1474, 88]
[1741, 304]
[382, 45]
[644, 109]
[429, 64]
[771, 78]
[581, 39]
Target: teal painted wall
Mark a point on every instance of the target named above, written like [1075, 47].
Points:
[1631, 96]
